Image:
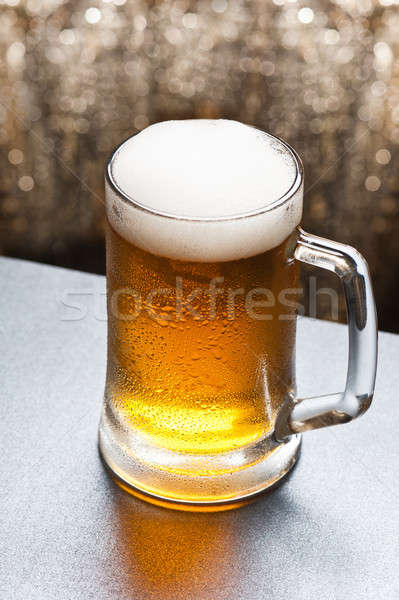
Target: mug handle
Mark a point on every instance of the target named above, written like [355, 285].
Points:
[302, 414]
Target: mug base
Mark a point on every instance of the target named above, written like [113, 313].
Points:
[224, 490]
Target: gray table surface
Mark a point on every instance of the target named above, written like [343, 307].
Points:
[68, 532]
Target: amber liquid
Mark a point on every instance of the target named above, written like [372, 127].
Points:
[190, 370]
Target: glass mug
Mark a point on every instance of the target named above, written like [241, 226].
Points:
[200, 401]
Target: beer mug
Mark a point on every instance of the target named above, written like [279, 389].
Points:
[203, 254]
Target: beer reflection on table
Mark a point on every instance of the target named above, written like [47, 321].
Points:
[172, 554]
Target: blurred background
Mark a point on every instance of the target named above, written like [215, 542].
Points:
[78, 77]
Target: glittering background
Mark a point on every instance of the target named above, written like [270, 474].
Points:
[78, 77]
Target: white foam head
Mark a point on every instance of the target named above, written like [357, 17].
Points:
[204, 190]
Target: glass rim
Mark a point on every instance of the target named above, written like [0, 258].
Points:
[125, 197]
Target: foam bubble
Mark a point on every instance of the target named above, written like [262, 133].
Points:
[204, 190]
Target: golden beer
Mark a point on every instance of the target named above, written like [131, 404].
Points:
[203, 249]
[200, 355]
[202, 295]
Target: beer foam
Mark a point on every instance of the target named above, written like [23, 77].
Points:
[204, 190]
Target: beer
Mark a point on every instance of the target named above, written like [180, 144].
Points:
[190, 367]
[201, 283]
